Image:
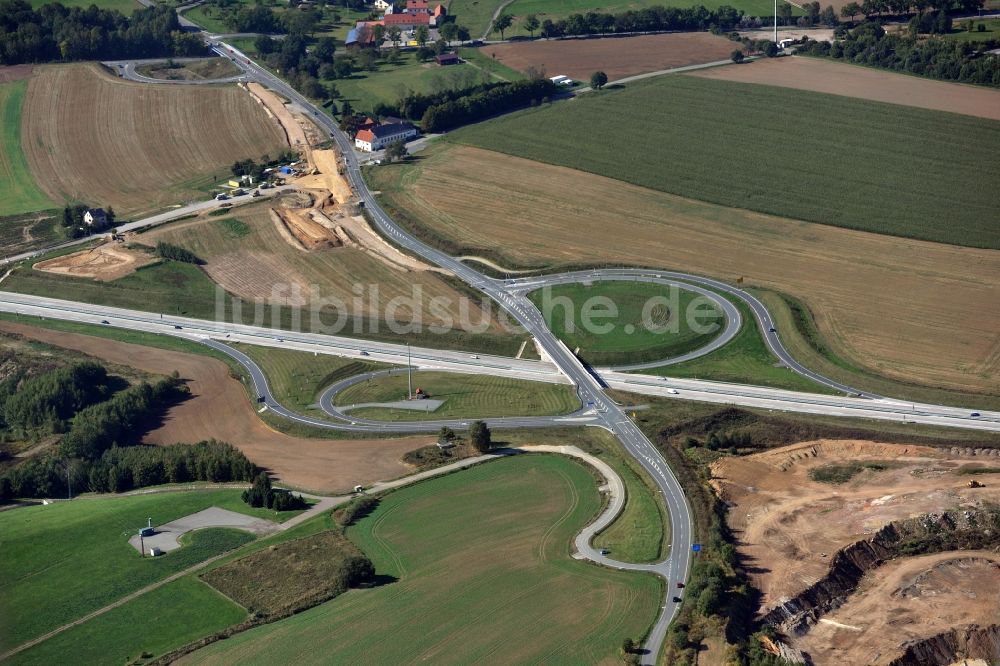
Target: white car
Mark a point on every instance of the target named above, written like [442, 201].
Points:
[475, 356]
[672, 391]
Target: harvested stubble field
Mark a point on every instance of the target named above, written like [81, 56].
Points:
[907, 599]
[839, 78]
[788, 525]
[617, 57]
[94, 138]
[219, 408]
[882, 302]
[840, 161]
[483, 574]
[259, 263]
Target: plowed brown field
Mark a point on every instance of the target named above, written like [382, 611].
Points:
[617, 57]
[91, 137]
[910, 310]
[219, 408]
[837, 78]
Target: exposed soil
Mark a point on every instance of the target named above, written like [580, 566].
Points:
[905, 600]
[788, 525]
[837, 78]
[219, 408]
[89, 136]
[275, 107]
[15, 73]
[104, 263]
[618, 57]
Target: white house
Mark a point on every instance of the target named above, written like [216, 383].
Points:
[95, 217]
[382, 5]
[380, 136]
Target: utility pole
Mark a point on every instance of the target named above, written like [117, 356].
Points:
[775, 22]
[409, 374]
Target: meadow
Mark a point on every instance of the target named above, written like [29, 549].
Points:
[833, 160]
[458, 547]
[390, 81]
[124, 6]
[465, 396]
[62, 561]
[632, 338]
[20, 193]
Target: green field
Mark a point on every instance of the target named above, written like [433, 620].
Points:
[745, 360]
[19, 193]
[478, 557]
[62, 561]
[821, 158]
[164, 615]
[391, 82]
[992, 31]
[124, 6]
[297, 378]
[465, 396]
[643, 330]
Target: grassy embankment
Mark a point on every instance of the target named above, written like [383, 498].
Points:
[464, 396]
[699, 146]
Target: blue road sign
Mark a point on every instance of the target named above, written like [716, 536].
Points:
[696, 547]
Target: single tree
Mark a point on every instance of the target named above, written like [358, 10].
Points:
[446, 434]
[736, 56]
[628, 645]
[598, 80]
[531, 24]
[395, 151]
[378, 32]
[423, 34]
[480, 436]
[394, 36]
[463, 34]
[448, 31]
[501, 23]
[850, 10]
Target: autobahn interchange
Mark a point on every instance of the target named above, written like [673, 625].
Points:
[598, 409]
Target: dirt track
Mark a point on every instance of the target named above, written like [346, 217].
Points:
[837, 78]
[789, 525]
[617, 57]
[219, 408]
[103, 263]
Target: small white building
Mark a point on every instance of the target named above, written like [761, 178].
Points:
[382, 5]
[380, 136]
[95, 217]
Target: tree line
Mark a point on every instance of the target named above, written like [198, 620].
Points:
[649, 19]
[54, 32]
[481, 105]
[262, 495]
[869, 44]
[123, 468]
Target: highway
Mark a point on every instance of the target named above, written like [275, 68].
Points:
[560, 364]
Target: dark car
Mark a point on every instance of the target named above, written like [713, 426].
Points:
[975, 414]
[680, 585]
[177, 327]
[772, 330]
[105, 321]
[677, 600]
